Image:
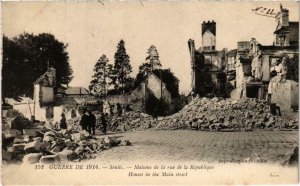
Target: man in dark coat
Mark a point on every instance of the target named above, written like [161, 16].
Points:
[84, 121]
[91, 123]
[63, 121]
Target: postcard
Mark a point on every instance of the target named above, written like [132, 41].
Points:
[150, 92]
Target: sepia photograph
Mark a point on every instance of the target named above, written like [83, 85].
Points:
[149, 92]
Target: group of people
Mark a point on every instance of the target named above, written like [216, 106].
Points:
[88, 122]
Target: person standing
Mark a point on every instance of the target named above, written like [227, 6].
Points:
[91, 123]
[84, 121]
[63, 121]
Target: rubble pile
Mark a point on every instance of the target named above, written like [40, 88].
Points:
[46, 145]
[130, 121]
[218, 114]
[74, 124]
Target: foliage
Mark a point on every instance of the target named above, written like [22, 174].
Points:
[122, 69]
[26, 57]
[15, 70]
[152, 61]
[102, 77]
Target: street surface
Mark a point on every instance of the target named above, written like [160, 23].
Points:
[187, 145]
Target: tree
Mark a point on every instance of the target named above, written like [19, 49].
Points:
[102, 77]
[27, 56]
[152, 61]
[153, 58]
[122, 69]
[153, 65]
[15, 70]
[45, 50]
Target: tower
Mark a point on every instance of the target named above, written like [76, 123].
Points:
[209, 35]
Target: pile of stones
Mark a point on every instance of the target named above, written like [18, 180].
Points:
[46, 145]
[131, 121]
[218, 114]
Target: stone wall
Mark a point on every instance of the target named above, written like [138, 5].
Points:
[284, 93]
[137, 97]
[159, 90]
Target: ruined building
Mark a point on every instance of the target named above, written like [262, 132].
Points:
[208, 64]
[286, 32]
[270, 71]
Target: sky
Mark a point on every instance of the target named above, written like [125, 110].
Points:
[94, 28]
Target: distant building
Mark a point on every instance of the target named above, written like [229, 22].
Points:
[208, 64]
[76, 91]
[149, 93]
[231, 60]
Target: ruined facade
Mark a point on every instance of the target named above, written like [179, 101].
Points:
[263, 72]
[286, 32]
[151, 90]
[208, 64]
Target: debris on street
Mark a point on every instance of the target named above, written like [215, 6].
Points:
[44, 145]
[220, 114]
[215, 114]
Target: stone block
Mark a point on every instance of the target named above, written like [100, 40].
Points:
[31, 132]
[112, 141]
[77, 137]
[11, 133]
[79, 150]
[82, 143]
[59, 141]
[212, 117]
[32, 147]
[84, 134]
[57, 149]
[32, 158]
[67, 155]
[68, 143]
[22, 139]
[44, 145]
[63, 131]
[125, 143]
[48, 138]
[40, 139]
[50, 159]
[18, 147]
[49, 133]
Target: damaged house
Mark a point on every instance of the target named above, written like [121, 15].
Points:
[49, 100]
[208, 64]
[271, 72]
[42, 106]
[152, 96]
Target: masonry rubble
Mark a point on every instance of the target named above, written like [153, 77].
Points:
[215, 114]
[45, 145]
[220, 114]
